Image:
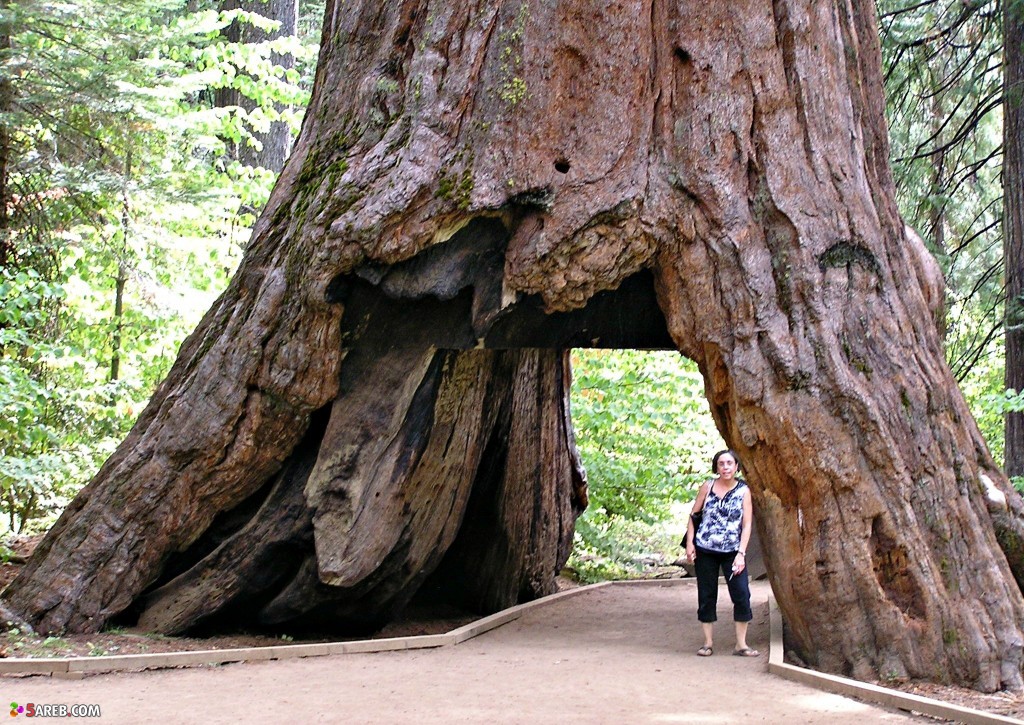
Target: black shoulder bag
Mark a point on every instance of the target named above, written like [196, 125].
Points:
[697, 516]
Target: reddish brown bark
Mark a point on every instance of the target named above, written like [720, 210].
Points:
[351, 563]
[457, 160]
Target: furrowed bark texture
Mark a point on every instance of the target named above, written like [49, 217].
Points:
[463, 165]
[396, 516]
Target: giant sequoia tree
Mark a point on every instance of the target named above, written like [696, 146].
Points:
[376, 405]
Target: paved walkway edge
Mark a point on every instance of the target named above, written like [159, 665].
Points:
[864, 691]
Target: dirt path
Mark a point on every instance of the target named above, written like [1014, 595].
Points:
[621, 654]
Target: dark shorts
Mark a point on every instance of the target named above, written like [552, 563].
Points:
[708, 565]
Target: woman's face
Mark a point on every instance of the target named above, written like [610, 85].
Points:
[726, 465]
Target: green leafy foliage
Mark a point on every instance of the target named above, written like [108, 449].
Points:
[990, 405]
[53, 430]
[126, 218]
[646, 438]
[944, 87]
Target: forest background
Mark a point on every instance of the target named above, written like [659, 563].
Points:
[139, 140]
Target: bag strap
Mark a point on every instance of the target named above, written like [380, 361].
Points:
[704, 499]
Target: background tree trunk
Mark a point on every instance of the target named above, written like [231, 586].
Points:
[6, 103]
[937, 220]
[1013, 222]
[457, 166]
[275, 143]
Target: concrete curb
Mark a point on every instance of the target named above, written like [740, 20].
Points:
[511, 614]
[864, 691]
[77, 667]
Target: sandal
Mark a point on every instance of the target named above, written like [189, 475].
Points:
[705, 651]
[746, 652]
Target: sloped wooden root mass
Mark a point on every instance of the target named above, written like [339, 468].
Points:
[379, 396]
[449, 445]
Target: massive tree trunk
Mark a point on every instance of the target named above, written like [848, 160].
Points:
[365, 405]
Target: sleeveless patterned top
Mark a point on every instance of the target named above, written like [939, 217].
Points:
[723, 519]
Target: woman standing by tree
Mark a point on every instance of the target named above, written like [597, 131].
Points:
[720, 544]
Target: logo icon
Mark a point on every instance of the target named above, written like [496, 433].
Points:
[16, 709]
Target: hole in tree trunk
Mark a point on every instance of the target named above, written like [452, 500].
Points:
[892, 571]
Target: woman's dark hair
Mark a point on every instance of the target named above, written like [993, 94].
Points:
[731, 452]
